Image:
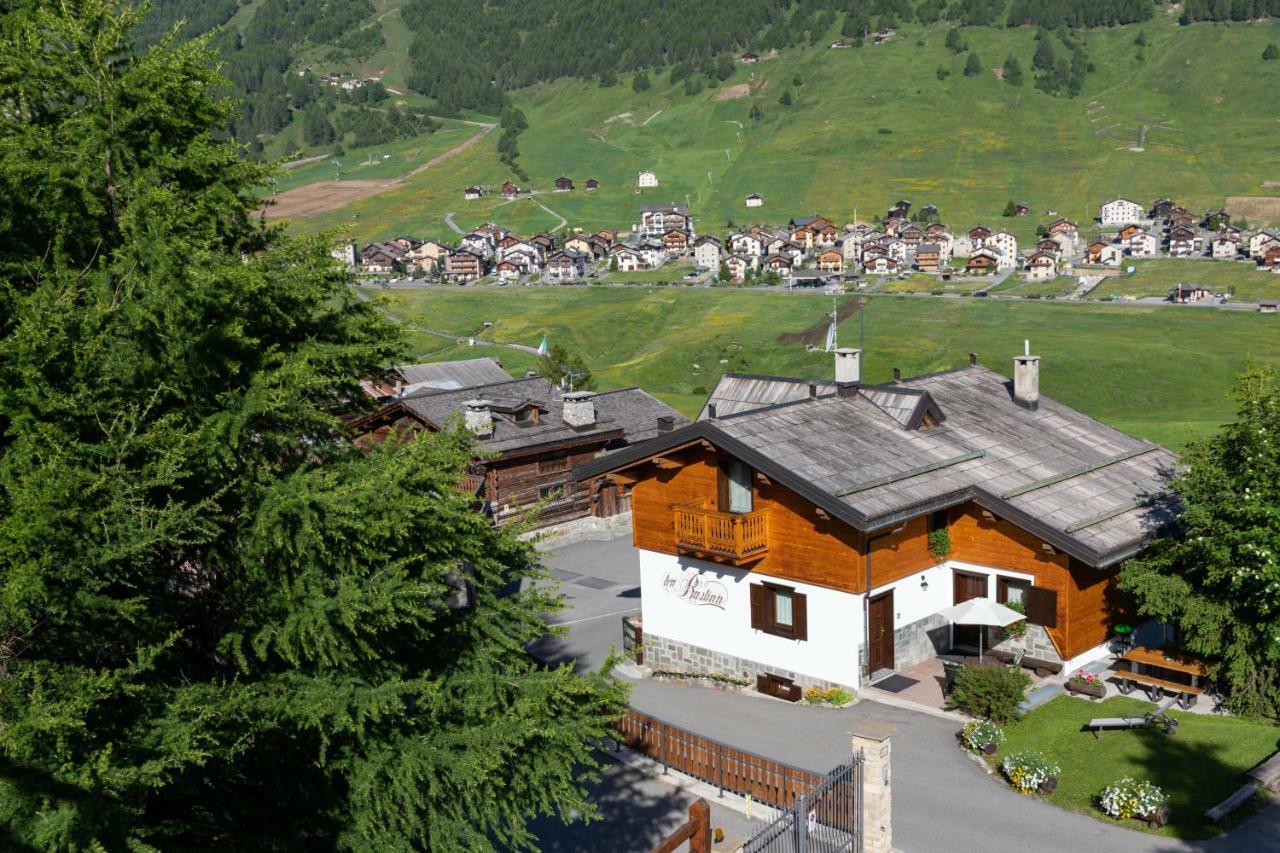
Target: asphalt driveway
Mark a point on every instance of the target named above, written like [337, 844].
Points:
[943, 802]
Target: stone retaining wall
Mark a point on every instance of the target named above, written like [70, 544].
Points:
[673, 656]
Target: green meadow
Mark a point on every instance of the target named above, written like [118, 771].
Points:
[1162, 373]
[1157, 276]
[871, 125]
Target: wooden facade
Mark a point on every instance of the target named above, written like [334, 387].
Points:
[803, 544]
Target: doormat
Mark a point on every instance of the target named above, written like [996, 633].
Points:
[895, 683]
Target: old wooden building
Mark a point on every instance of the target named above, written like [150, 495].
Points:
[532, 435]
[814, 531]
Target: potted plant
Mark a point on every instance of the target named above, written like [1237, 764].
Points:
[1031, 772]
[982, 736]
[1016, 630]
[1087, 684]
[940, 543]
[1129, 797]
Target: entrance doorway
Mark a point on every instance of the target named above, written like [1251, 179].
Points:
[965, 587]
[880, 621]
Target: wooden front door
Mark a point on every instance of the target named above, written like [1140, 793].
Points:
[965, 588]
[880, 653]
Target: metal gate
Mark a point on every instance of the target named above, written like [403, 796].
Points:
[825, 819]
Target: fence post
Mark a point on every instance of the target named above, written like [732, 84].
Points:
[786, 789]
[720, 768]
[801, 825]
[666, 740]
[872, 753]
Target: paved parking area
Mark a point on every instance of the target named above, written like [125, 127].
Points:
[600, 580]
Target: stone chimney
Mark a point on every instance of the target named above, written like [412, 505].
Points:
[848, 365]
[1026, 378]
[666, 423]
[478, 418]
[579, 409]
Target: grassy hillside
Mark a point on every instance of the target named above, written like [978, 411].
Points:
[1161, 373]
[874, 124]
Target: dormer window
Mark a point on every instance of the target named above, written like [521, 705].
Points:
[526, 416]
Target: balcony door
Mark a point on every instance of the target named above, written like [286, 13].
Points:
[734, 492]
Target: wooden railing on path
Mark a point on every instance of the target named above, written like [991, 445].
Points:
[728, 768]
[696, 830]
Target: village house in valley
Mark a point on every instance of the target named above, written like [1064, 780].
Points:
[531, 433]
[786, 535]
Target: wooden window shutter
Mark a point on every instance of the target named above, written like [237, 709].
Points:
[800, 615]
[758, 616]
[1042, 607]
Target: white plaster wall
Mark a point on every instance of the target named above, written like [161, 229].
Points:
[911, 603]
[835, 618]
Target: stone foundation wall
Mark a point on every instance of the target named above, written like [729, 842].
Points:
[920, 640]
[673, 656]
[1036, 642]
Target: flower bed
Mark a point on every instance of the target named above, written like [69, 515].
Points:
[982, 736]
[831, 696]
[1086, 684]
[1031, 772]
[1128, 797]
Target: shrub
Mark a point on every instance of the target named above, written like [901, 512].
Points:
[1027, 771]
[1129, 797]
[830, 695]
[989, 692]
[978, 733]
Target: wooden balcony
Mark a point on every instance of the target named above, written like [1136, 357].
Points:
[737, 538]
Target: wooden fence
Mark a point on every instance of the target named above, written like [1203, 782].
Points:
[728, 768]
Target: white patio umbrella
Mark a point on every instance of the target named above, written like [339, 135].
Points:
[984, 612]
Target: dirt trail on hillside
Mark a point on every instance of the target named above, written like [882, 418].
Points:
[817, 333]
[323, 196]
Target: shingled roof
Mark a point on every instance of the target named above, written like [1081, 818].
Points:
[864, 455]
[452, 375]
[624, 416]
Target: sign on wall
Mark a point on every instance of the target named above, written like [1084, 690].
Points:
[695, 589]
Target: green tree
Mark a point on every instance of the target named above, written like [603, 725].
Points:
[942, 73]
[755, 113]
[1012, 71]
[785, 100]
[1140, 39]
[316, 127]
[222, 625]
[1271, 52]
[640, 83]
[973, 65]
[1011, 208]
[608, 78]
[954, 41]
[565, 370]
[1218, 579]
[1044, 59]
[797, 81]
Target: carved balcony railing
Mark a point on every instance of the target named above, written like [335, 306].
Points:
[736, 537]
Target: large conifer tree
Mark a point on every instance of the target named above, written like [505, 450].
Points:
[220, 625]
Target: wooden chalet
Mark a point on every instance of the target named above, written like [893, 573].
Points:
[928, 257]
[510, 190]
[531, 435]
[592, 184]
[563, 184]
[982, 262]
[785, 534]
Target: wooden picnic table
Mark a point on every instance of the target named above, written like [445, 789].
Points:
[1169, 672]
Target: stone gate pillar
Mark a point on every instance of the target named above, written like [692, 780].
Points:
[877, 788]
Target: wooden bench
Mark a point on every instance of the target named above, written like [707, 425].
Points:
[1042, 668]
[1157, 687]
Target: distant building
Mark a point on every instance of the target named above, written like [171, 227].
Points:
[646, 179]
[472, 193]
[749, 58]
[1120, 211]
[592, 184]
[755, 200]
[510, 190]
[563, 184]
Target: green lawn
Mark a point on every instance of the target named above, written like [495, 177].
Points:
[1156, 277]
[966, 144]
[922, 283]
[1162, 373]
[1016, 285]
[1197, 768]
